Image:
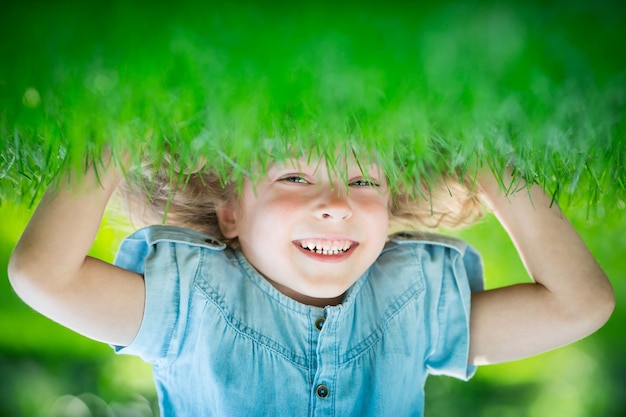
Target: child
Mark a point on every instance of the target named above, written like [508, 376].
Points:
[309, 308]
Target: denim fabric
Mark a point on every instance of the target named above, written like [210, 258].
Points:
[224, 342]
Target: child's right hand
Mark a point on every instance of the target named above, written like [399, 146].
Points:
[51, 271]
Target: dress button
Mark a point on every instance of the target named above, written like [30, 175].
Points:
[319, 323]
[321, 391]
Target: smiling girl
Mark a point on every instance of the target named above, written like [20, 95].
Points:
[288, 297]
[309, 236]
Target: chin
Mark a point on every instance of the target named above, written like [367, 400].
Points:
[327, 292]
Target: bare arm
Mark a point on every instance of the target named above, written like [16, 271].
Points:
[570, 298]
[50, 270]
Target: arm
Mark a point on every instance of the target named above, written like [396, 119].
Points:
[570, 298]
[50, 270]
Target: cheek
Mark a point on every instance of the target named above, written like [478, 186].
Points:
[382, 221]
[266, 219]
[285, 210]
[378, 210]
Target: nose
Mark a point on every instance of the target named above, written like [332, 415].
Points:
[333, 204]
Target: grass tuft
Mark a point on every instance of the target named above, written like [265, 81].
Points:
[438, 86]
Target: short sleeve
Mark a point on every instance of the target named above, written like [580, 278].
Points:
[168, 266]
[449, 310]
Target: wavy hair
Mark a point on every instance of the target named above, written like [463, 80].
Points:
[449, 202]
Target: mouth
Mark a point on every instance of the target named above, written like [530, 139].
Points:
[326, 249]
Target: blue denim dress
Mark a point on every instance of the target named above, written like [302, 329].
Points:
[224, 342]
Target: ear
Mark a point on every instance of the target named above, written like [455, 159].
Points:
[227, 219]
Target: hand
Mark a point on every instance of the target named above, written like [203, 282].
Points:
[495, 189]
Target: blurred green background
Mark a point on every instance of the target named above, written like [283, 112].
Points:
[549, 77]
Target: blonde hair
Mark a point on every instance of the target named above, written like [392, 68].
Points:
[161, 195]
[450, 202]
[164, 195]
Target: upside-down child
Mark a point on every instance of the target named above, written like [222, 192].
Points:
[288, 296]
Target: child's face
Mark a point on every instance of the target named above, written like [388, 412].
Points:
[308, 234]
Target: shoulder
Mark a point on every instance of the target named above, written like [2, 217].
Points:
[155, 234]
[136, 248]
[451, 271]
[177, 265]
[432, 249]
[426, 239]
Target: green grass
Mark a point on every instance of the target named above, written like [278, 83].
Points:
[435, 85]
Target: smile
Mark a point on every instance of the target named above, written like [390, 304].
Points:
[326, 247]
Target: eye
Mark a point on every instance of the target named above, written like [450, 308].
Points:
[297, 179]
[364, 183]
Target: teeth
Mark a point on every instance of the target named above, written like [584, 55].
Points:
[326, 247]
